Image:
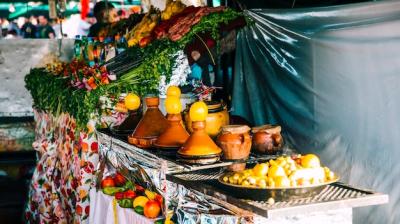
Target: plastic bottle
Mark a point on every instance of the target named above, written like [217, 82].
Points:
[77, 46]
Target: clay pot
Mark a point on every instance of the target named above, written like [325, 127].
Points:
[129, 124]
[235, 142]
[152, 124]
[217, 117]
[199, 143]
[267, 139]
[175, 135]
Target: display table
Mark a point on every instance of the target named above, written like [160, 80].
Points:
[190, 182]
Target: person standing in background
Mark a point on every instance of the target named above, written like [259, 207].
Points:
[105, 13]
[28, 30]
[44, 29]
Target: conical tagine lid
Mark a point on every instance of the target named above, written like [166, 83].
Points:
[199, 143]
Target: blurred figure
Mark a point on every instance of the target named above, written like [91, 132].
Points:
[33, 20]
[12, 34]
[44, 29]
[105, 13]
[28, 30]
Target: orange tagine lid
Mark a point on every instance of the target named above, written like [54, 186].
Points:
[175, 135]
[152, 124]
[199, 143]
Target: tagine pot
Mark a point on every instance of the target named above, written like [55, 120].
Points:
[152, 124]
[174, 136]
[199, 148]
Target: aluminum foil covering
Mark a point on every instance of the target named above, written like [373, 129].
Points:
[191, 206]
[180, 72]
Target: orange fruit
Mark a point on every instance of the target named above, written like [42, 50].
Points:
[198, 111]
[174, 91]
[276, 171]
[152, 209]
[132, 101]
[173, 105]
[140, 201]
[310, 161]
[260, 169]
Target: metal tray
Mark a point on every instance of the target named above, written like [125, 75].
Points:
[333, 196]
[264, 194]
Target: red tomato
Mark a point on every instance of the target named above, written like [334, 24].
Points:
[119, 195]
[139, 189]
[129, 194]
[107, 182]
[119, 180]
[159, 199]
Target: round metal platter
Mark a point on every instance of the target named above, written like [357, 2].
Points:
[277, 193]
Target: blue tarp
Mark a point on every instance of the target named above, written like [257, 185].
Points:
[331, 77]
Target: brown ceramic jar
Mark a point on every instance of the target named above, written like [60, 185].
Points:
[267, 139]
[235, 142]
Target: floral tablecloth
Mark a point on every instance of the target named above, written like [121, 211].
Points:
[65, 171]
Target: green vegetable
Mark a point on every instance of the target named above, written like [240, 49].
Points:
[139, 210]
[125, 203]
[112, 190]
[53, 94]
[129, 186]
[160, 221]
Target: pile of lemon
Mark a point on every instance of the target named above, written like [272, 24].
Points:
[285, 171]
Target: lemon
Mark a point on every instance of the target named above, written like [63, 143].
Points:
[276, 171]
[310, 161]
[132, 101]
[260, 169]
[174, 91]
[282, 181]
[140, 201]
[198, 111]
[173, 105]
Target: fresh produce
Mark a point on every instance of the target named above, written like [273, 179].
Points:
[112, 190]
[130, 194]
[159, 199]
[150, 195]
[132, 101]
[107, 182]
[144, 28]
[283, 172]
[119, 195]
[139, 189]
[173, 105]
[198, 111]
[184, 24]
[125, 203]
[139, 210]
[152, 209]
[119, 180]
[310, 161]
[140, 201]
[172, 8]
[174, 91]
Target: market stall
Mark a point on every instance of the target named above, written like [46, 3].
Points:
[109, 155]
